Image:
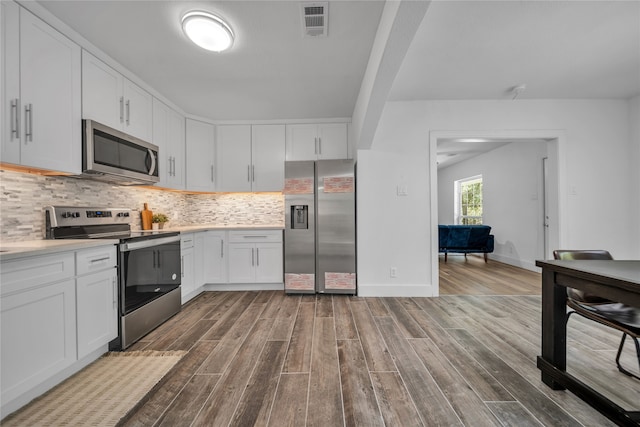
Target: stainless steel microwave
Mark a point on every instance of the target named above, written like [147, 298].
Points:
[113, 156]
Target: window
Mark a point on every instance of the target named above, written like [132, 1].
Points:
[468, 208]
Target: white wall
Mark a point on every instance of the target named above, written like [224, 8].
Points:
[512, 199]
[391, 230]
[594, 162]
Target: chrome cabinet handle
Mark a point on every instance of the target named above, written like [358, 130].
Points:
[253, 173]
[99, 259]
[212, 177]
[173, 163]
[115, 291]
[320, 145]
[128, 112]
[252, 258]
[257, 256]
[121, 109]
[28, 119]
[315, 145]
[182, 266]
[221, 248]
[15, 118]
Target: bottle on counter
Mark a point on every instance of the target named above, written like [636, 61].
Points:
[146, 215]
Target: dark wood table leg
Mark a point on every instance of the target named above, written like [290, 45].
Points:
[554, 326]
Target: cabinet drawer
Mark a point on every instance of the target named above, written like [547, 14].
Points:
[31, 272]
[186, 241]
[256, 236]
[97, 259]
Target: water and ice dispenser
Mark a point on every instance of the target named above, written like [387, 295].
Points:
[300, 216]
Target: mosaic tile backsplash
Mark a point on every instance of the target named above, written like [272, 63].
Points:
[23, 197]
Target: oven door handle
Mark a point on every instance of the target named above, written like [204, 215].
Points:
[131, 246]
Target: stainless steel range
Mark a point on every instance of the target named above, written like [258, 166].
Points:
[149, 269]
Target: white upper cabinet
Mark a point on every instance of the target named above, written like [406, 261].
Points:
[317, 141]
[233, 157]
[111, 99]
[40, 93]
[200, 173]
[268, 156]
[250, 158]
[169, 136]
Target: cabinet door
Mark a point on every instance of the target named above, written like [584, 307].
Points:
[176, 147]
[188, 280]
[302, 142]
[160, 138]
[242, 263]
[10, 82]
[138, 107]
[332, 141]
[214, 257]
[168, 135]
[269, 263]
[199, 158]
[102, 92]
[38, 336]
[97, 310]
[50, 68]
[233, 157]
[267, 156]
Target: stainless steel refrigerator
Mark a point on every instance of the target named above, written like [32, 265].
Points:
[320, 227]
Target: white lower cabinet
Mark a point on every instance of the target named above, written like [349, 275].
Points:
[97, 310]
[38, 337]
[211, 248]
[255, 257]
[55, 310]
[187, 259]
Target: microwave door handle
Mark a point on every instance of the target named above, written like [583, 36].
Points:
[152, 169]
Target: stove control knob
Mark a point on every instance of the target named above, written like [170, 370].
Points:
[123, 214]
[66, 214]
[75, 214]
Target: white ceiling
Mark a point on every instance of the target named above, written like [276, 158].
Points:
[272, 71]
[463, 50]
[559, 49]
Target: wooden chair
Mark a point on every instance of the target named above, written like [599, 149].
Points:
[624, 318]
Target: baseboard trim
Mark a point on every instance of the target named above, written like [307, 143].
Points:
[388, 290]
[244, 287]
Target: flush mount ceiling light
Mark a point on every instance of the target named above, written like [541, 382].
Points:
[207, 30]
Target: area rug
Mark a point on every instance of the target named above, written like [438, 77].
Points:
[100, 394]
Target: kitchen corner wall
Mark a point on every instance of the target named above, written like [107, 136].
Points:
[23, 197]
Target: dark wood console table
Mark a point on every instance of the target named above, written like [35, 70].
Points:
[615, 280]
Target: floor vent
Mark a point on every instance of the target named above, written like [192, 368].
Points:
[315, 19]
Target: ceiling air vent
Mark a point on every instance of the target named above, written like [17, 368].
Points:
[315, 19]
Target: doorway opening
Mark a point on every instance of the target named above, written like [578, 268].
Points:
[527, 222]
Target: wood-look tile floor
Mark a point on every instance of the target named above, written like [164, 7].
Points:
[268, 359]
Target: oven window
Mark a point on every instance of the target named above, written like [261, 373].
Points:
[149, 273]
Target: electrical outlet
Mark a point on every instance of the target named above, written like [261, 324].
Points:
[393, 272]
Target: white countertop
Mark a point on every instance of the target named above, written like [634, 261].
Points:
[205, 227]
[14, 250]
